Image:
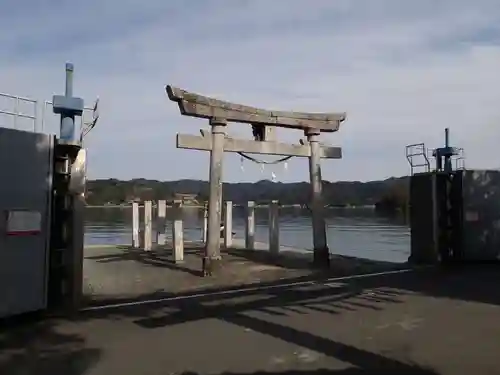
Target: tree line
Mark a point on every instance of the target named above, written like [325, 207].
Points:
[387, 195]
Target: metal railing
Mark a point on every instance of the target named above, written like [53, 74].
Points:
[457, 160]
[13, 109]
[417, 156]
[17, 112]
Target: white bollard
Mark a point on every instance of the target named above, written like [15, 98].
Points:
[178, 233]
[205, 224]
[135, 226]
[161, 222]
[228, 225]
[148, 225]
[250, 226]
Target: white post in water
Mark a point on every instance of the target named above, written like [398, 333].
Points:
[228, 225]
[274, 229]
[148, 225]
[135, 225]
[178, 233]
[250, 226]
[205, 223]
[161, 221]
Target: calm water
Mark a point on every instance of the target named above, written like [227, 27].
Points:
[355, 232]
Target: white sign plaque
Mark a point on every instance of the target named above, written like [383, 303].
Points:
[23, 222]
[471, 216]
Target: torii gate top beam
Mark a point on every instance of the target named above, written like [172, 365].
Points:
[195, 105]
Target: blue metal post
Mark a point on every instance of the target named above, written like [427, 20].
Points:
[68, 107]
[69, 80]
[67, 130]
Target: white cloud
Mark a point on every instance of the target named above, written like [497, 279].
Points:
[402, 70]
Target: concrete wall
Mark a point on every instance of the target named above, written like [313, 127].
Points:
[474, 206]
[25, 184]
[481, 214]
[423, 241]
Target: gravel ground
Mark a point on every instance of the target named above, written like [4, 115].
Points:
[120, 272]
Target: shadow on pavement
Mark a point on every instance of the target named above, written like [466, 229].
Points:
[45, 348]
[157, 257]
[162, 277]
[350, 371]
[29, 345]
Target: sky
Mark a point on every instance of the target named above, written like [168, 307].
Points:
[402, 71]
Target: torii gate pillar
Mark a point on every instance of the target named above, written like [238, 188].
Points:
[321, 251]
[212, 252]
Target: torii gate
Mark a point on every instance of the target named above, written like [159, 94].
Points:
[263, 123]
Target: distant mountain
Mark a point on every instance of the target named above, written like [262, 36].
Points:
[386, 193]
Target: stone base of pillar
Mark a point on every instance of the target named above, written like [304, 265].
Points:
[211, 265]
[321, 258]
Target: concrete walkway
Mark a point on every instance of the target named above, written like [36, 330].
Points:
[414, 322]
